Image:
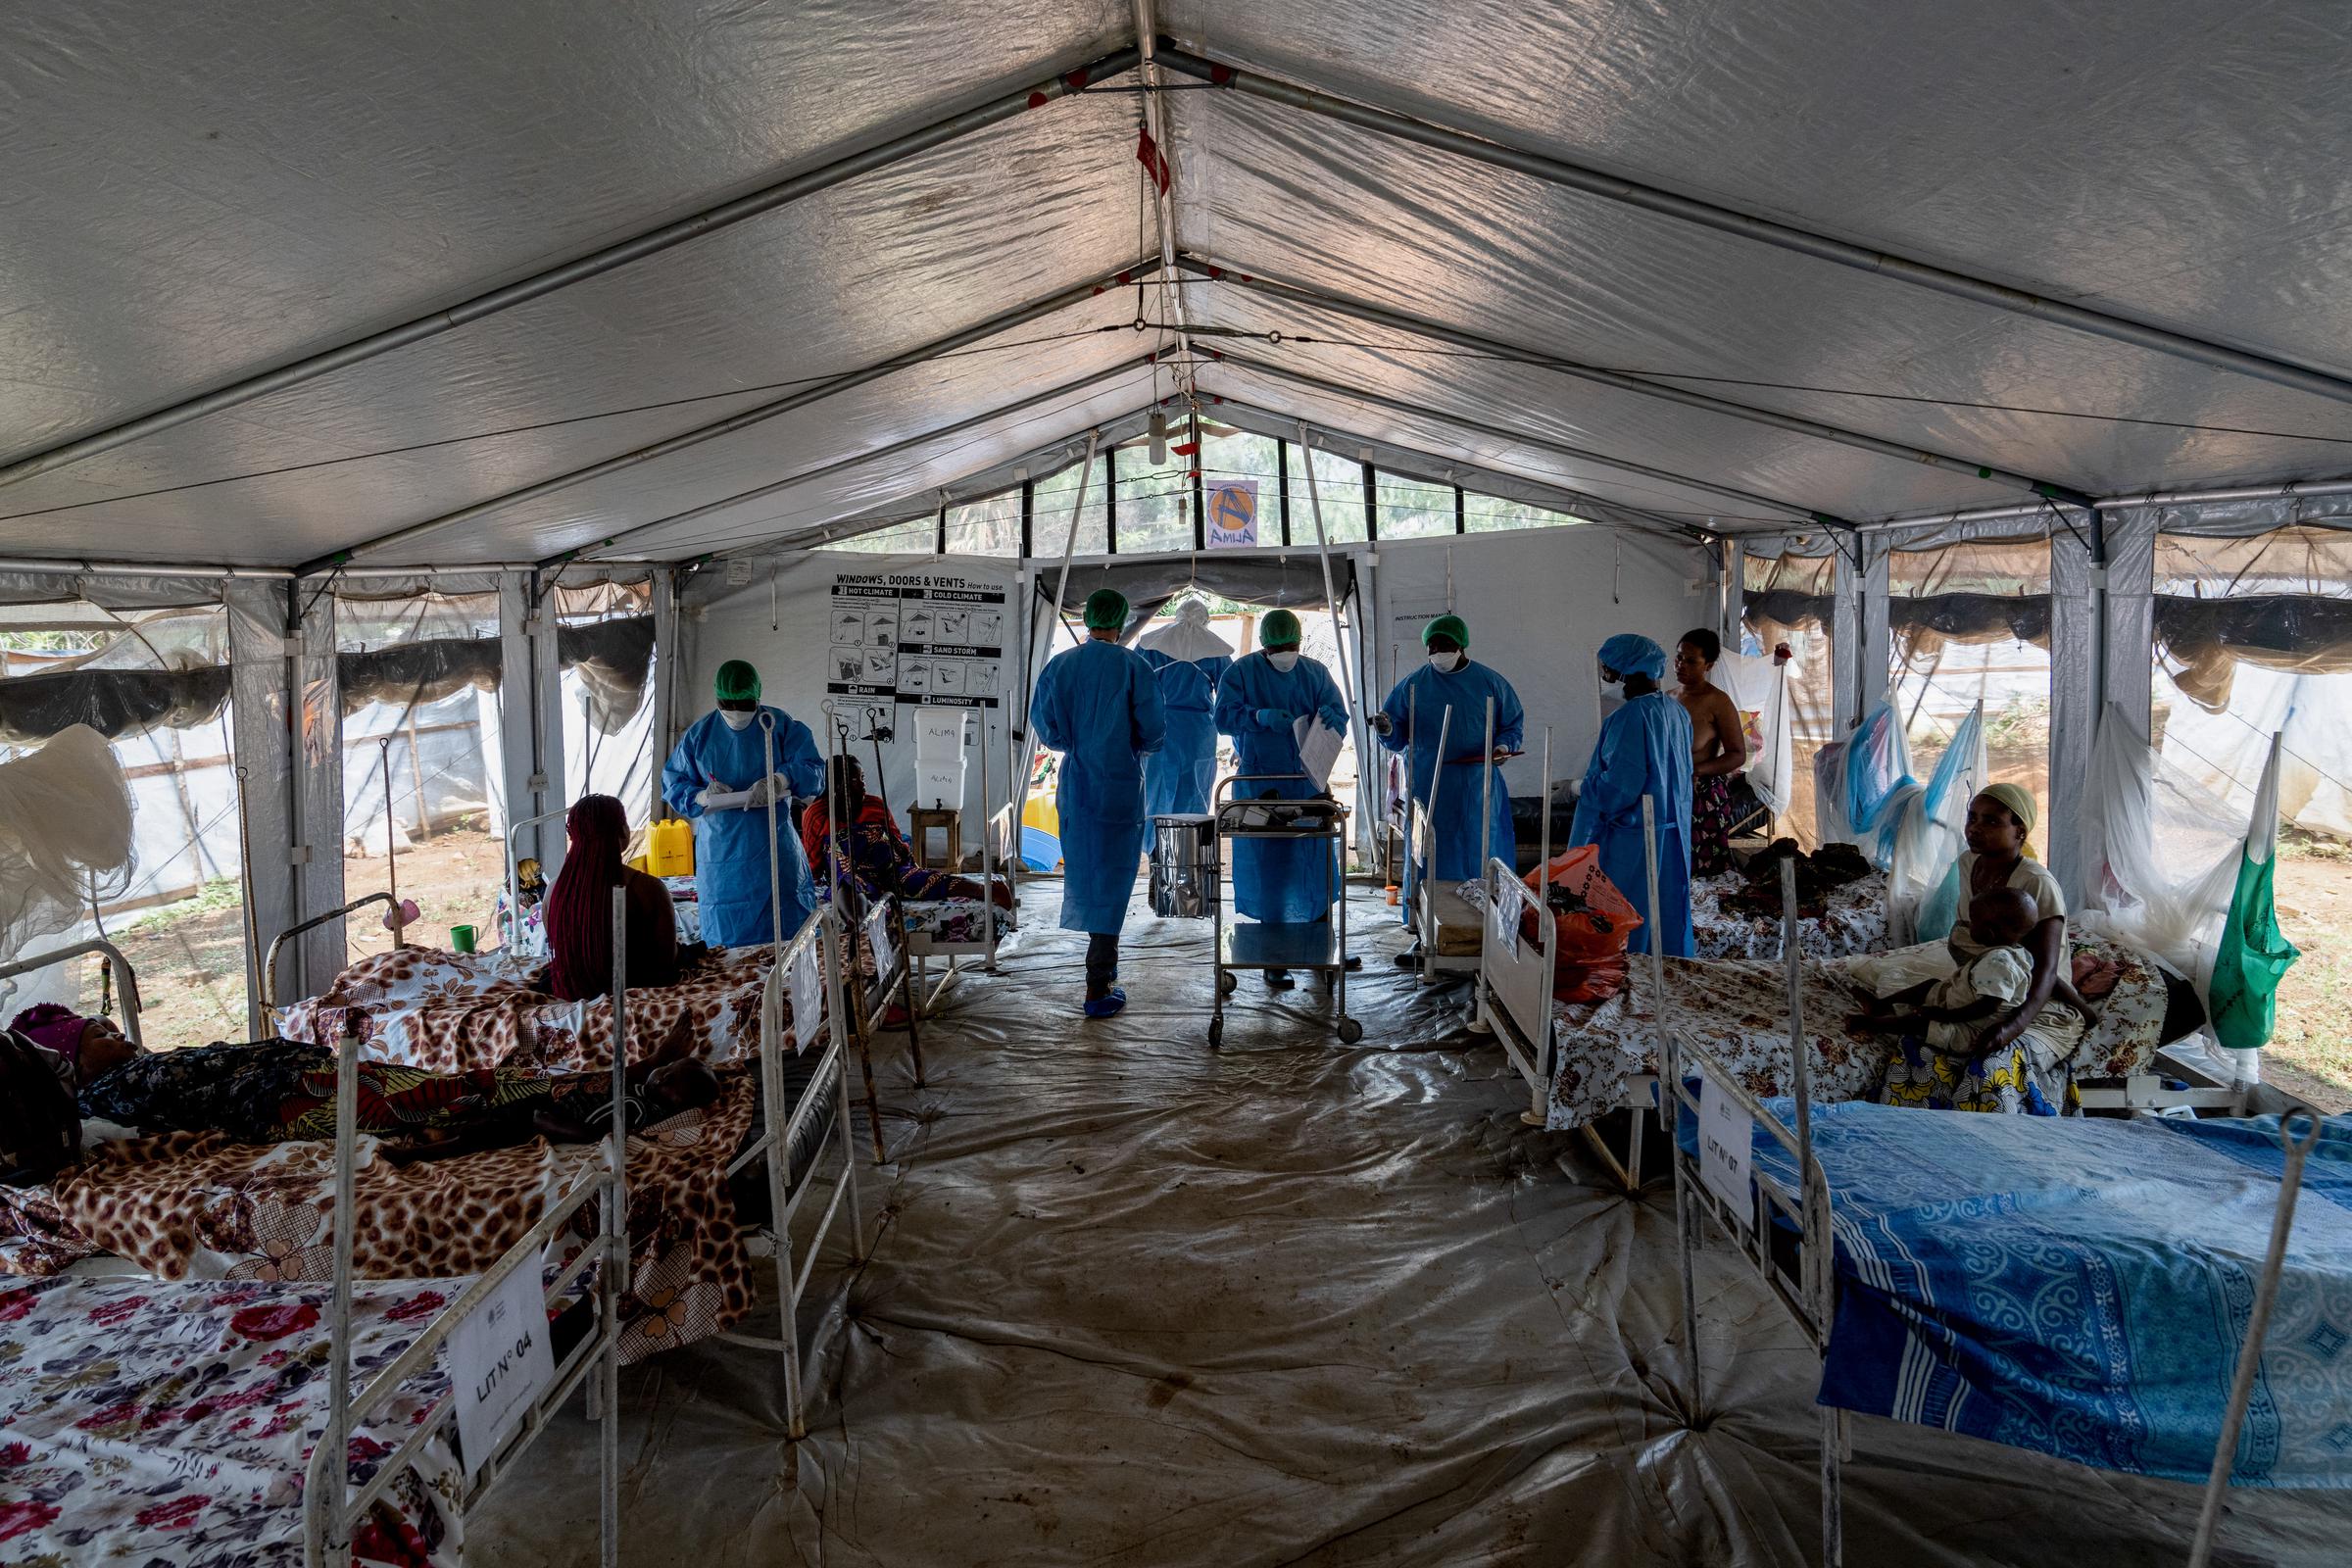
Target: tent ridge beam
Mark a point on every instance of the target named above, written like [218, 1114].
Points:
[892, 449]
[743, 419]
[650, 242]
[2300, 376]
[1282, 288]
[1541, 443]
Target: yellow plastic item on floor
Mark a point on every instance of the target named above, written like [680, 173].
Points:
[1043, 814]
[669, 848]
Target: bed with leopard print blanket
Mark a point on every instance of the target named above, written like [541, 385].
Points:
[195, 1206]
[460, 1012]
[1738, 1010]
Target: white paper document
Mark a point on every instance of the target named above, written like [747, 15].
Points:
[1318, 748]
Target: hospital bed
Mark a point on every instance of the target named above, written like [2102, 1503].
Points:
[960, 930]
[1920, 1251]
[1445, 924]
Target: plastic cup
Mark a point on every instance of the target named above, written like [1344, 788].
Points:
[460, 939]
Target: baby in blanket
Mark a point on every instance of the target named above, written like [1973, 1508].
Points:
[1949, 1015]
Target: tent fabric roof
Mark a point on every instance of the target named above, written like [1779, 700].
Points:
[208, 192]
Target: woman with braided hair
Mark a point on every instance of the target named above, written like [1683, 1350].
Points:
[579, 909]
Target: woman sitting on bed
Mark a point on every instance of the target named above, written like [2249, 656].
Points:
[2018, 1062]
[870, 853]
[279, 1090]
[579, 909]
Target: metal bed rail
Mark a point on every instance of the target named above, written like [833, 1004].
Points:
[1424, 839]
[819, 942]
[270, 997]
[331, 1509]
[512, 935]
[999, 846]
[1811, 1299]
[126, 979]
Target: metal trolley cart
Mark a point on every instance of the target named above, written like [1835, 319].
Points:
[1319, 947]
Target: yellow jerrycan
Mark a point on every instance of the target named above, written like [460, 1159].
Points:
[669, 848]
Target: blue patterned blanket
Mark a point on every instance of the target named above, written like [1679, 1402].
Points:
[2083, 1288]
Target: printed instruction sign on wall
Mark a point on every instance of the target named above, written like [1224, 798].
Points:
[916, 637]
[1231, 514]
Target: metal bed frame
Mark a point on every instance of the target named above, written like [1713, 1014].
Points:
[1812, 1297]
[127, 980]
[278, 944]
[331, 1509]
[999, 846]
[1421, 840]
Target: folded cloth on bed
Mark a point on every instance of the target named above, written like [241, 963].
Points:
[953, 920]
[1739, 1012]
[2082, 1290]
[1849, 918]
[183, 1205]
[172, 1425]
[415, 1007]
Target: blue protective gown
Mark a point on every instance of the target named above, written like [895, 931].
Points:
[730, 847]
[1182, 773]
[1098, 704]
[1645, 749]
[1278, 881]
[1425, 698]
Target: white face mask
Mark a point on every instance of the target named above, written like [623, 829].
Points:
[1286, 661]
[1446, 663]
[737, 718]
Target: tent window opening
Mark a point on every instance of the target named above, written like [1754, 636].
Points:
[2254, 639]
[1966, 624]
[1411, 508]
[990, 526]
[1053, 499]
[1154, 508]
[1790, 600]
[916, 536]
[422, 780]
[1247, 458]
[1340, 484]
[1494, 515]
[605, 647]
[156, 685]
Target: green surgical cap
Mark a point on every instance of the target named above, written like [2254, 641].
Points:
[1447, 626]
[1280, 629]
[738, 682]
[1105, 610]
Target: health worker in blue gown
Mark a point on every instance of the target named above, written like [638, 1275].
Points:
[726, 753]
[1187, 659]
[1645, 749]
[1260, 704]
[1098, 706]
[1409, 722]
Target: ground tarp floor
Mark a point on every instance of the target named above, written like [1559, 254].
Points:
[1134, 1301]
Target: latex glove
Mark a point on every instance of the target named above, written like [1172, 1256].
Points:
[1273, 718]
[703, 796]
[774, 787]
[1383, 724]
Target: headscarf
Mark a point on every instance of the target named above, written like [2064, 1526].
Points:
[579, 911]
[2020, 804]
[1280, 629]
[1105, 610]
[738, 682]
[53, 1025]
[1452, 626]
[1631, 654]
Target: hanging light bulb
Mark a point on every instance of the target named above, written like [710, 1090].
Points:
[1159, 438]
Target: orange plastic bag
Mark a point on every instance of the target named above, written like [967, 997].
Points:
[1598, 921]
[1589, 982]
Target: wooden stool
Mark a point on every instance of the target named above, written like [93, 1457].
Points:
[923, 822]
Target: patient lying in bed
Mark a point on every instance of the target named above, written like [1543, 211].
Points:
[276, 1089]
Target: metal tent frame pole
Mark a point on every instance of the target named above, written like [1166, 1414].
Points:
[1420, 326]
[650, 242]
[2301, 376]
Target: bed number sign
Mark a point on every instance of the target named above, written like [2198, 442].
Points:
[499, 1362]
[878, 937]
[1726, 1140]
[807, 992]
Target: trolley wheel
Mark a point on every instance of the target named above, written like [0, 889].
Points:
[1216, 1034]
[1350, 1031]
[1226, 980]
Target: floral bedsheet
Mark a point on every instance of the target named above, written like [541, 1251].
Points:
[1738, 1010]
[456, 1012]
[185, 1206]
[1852, 922]
[170, 1426]
[943, 922]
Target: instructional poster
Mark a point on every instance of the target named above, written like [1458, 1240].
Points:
[916, 637]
